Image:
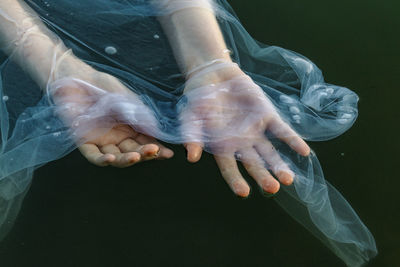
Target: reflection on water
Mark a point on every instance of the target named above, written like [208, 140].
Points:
[182, 214]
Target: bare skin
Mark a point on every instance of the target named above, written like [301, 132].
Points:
[256, 152]
[121, 146]
[33, 47]
[196, 39]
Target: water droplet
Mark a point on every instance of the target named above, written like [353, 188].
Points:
[111, 50]
[294, 110]
[5, 98]
[156, 36]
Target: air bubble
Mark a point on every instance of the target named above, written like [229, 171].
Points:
[5, 98]
[56, 134]
[286, 99]
[323, 94]
[48, 127]
[111, 50]
[329, 90]
[294, 110]
[346, 116]
[342, 121]
[348, 98]
[296, 117]
[156, 36]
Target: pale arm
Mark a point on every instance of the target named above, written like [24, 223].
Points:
[203, 57]
[43, 56]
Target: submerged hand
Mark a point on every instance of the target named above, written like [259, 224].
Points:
[229, 114]
[102, 118]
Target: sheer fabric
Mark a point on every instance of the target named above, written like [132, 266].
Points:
[140, 84]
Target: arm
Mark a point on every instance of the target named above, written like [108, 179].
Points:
[193, 32]
[37, 50]
[218, 93]
[25, 38]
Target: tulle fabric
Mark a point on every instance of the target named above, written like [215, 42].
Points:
[124, 39]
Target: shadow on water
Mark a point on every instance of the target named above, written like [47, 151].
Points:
[173, 213]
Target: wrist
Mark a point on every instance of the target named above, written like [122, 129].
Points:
[213, 72]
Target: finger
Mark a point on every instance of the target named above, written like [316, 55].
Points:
[122, 160]
[194, 151]
[192, 132]
[283, 131]
[163, 152]
[279, 167]
[146, 152]
[255, 167]
[92, 153]
[230, 172]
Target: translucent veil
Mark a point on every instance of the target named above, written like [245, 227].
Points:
[123, 38]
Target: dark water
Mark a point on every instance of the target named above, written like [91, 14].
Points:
[171, 213]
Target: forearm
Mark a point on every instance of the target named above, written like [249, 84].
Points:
[193, 32]
[28, 42]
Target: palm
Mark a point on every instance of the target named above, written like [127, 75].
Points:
[230, 118]
[106, 140]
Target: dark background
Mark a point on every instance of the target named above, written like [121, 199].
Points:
[172, 213]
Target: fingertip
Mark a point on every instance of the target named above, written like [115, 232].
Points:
[241, 190]
[167, 153]
[271, 186]
[285, 177]
[135, 157]
[150, 150]
[106, 159]
[193, 158]
[194, 152]
[302, 148]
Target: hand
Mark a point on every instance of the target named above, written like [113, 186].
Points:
[100, 119]
[229, 114]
